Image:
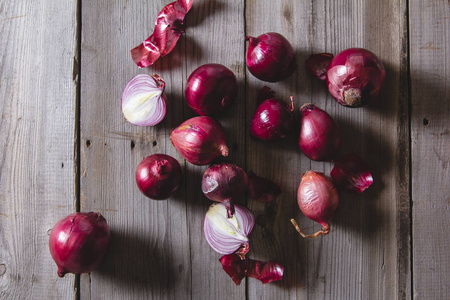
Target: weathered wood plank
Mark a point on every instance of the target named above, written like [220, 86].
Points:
[430, 125]
[366, 255]
[38, 83]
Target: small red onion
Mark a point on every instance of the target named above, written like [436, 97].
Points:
[210, 89]
[318, 199]
[317, 64]
[319, 138]
[144, 100]
[270, 57]
[200, 140]
[79, 242]
[228, 235]
[237, 269]
[224, 182]
[262, 189]
[158, 176]
[351, 173]
[355, 77]
[273, 119]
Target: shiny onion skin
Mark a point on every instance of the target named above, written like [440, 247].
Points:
[79, 242]
[211, 89]
[200, 140]
[320, 137]
[318, 199]
[158, 176]
[317, 64]
[273, 119]
[355, 77]
[270, 57]
[351, 173]
[224, 182]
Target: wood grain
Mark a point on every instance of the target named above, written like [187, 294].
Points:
[37, 136]
[430, 125]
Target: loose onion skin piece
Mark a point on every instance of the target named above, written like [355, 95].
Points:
[158, 176]
[210, 89]
[262, 189]
[318, 199]
[79, 242]
[317, 64]
[355, 77]
[351, 173]
[270, 57]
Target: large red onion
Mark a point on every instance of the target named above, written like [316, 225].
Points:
[78, 242]
[273, 119]
[318, 199]
[158, 176]
[270, 57]
[200, 140]
[210, 89]
[224, 182]
[319, 138]
[351, 173]
[355, 77]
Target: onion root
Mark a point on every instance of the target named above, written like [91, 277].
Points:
[325, 230]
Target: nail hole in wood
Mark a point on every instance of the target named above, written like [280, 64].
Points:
[154, 143]
[133, 145]
[62, 165]
[88, 143]
[426, 122]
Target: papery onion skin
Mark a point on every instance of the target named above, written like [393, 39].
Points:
[351, 173]
[273, 120]
[210, 89]
[262, 189]
[228, 235]
[79, 242]
[144, 100]
[224, 182]
[200, 140]
[158, 176]
[317, 64]
[319, 138]
[355, 77]
[270, 57]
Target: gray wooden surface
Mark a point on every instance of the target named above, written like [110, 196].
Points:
[64, 146]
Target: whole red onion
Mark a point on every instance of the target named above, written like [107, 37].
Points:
[318, 199]
[319, 138]
[355, 77]
[224, 182]
[270, 57]
[199, 140]
[158, 176]
[210, 89]
[351, 173]
[78, 242]
[273, 119]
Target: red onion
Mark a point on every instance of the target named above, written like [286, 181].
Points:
[158, 176]
[262, 189]
[224, 182]
[210, 89]
[78, 242]
[317, 64]
[238, 268]
[270, 57]
[228, 235]
[144, 101]
[200, 140]
[355, 76]
[168, 28]
[318, 199]
[351, 173]
[319, 138]
[273, 120]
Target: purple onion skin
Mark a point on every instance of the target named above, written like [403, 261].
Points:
[158, 176]
[317, 64]
[224, 182]
[79, 242]
[270, 57]
[211, 89]
[262, 189]
[273, 119]
[351, 173]
[320, 137]
[200, 140]
[355, 77]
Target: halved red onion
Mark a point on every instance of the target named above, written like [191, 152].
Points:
[351, 173]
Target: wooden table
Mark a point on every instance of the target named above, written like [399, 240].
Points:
[66, 147]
